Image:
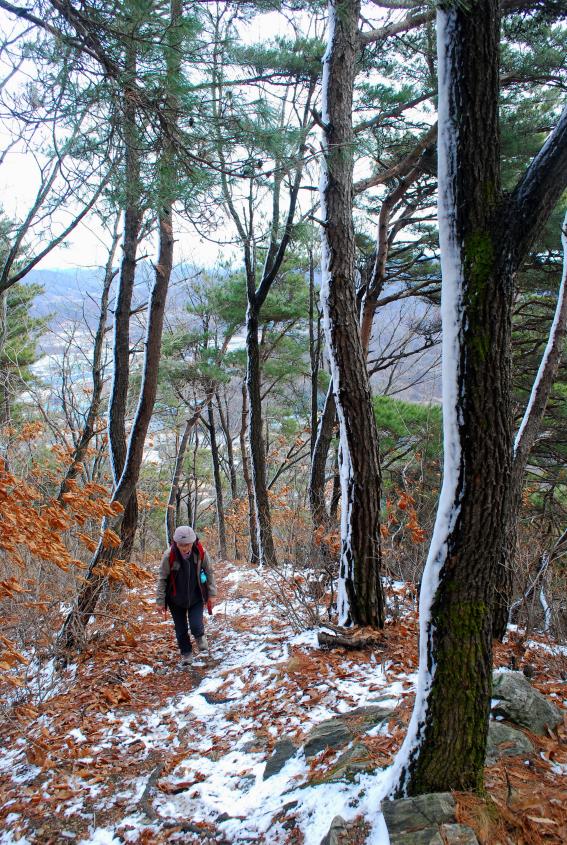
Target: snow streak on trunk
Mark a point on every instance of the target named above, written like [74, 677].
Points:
[451, 315]
[446, 742]
[550, 359]
[360, 597]
[523, 445]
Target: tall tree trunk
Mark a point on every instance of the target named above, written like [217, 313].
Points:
[73, 628]
[319, 513]
[88, 597]
[88, 431]
[523, 445]
[483, 238]
[360, 597]
[5, 407]
[173, 498]
[190, 512]
[225, 425]
[455, 631]
[314, 351]
[132, 224]
[133, 215]
[252, 527]
[218, 481]
[265, 539]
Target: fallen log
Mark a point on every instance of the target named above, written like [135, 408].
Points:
[333, 636]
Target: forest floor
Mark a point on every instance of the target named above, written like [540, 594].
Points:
[124, 747]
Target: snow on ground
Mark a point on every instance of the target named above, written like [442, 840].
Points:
[124, 747]
[134, 749]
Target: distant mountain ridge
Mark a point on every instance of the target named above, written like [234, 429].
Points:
[65, 291]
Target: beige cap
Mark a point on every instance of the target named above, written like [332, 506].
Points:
[184, 535]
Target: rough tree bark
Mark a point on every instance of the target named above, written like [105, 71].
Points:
[360, 591]
[218, 480]
[225, 425]
[523, 445]
[252, 527]
[133, 216]
[71, 634]
[319, 514]
[483, 237]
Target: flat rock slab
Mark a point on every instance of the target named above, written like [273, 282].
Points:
[370, 715]
[446, 834]
[426, 820]
[407, 814]
[514, 699]
[332, 733]
[504, 741]
[339, 731]
[350, 763]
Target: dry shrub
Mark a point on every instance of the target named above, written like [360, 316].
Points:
[44, 546]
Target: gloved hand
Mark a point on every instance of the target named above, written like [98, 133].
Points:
[210, 607]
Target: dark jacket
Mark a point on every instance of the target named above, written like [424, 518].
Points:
[186, 577]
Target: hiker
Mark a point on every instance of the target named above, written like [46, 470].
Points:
[186, 583]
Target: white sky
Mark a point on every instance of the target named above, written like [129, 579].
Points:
[87, 246]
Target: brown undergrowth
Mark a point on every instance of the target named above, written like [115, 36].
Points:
[93, 736]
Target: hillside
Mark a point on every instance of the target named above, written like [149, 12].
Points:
[124, 747]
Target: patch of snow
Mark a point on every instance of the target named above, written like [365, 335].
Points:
[77, 735]
[533, 645]
[101, 836]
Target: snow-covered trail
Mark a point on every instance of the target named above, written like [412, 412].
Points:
[126, 747]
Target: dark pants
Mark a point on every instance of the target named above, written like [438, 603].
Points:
[182, 616]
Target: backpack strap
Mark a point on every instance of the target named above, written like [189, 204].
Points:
[171, 575]
[204, 588]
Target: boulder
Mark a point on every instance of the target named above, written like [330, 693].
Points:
[504, 741]
[514, 699]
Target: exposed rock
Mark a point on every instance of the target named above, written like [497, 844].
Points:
[515, 699]
[370, 715]
[458, 834]
[426, 820]
[283, 751]
[356, 759]
[504, 741]
[407, 814]
[337, 834]
[427, 836]
[332, 733]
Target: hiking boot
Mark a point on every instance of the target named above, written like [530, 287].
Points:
[202, 644]
[186, 659]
